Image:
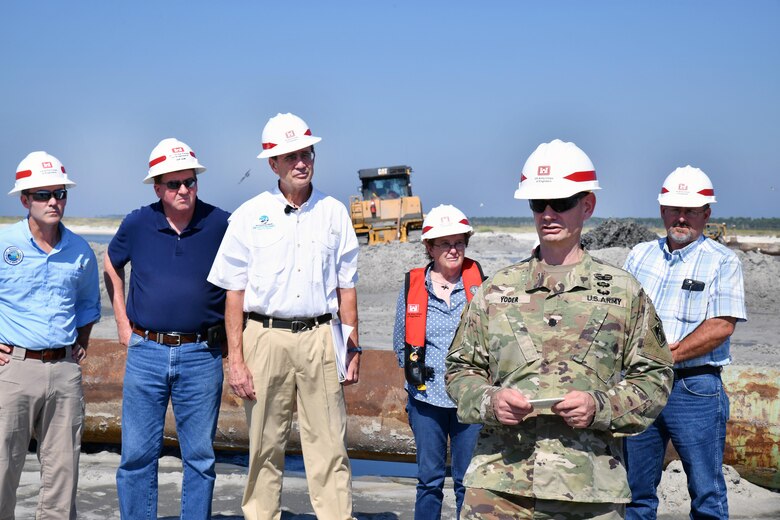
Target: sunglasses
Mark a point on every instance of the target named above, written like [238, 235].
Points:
[175, 185]
[45, 195]
[557, 205]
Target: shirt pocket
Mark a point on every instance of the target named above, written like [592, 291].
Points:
[510, 347]
[599, 346]
[269, 254]
[323, 266]
[692, 306]
[63, 280]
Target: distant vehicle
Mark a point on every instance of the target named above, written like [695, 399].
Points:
[717, 232]
[385, 210]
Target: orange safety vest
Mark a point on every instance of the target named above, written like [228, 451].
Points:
[417, 298]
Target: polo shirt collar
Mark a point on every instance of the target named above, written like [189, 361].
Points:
[683, 254]
[161, 220]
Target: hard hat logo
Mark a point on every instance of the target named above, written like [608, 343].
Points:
[40, 169]
[177, 149]
[682, 187]
[544, 170]
[290, 134]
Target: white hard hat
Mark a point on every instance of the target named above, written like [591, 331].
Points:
[172, 155]
[556, 170]
[40, 169]
[285, 133]
[687, 187]
[445, 220]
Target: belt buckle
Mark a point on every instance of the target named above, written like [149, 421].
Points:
[47, 355]
[177, 337]
[298, 326]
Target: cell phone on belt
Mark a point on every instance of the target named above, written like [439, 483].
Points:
[217, 335]
[692, 285]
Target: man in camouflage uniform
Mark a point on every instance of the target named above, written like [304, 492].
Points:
[562, 326]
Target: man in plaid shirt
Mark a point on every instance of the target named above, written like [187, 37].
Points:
[696, 287]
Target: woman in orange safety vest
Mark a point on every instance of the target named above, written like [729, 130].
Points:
[427, 315]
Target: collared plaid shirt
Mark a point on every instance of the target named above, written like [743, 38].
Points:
[700, 281]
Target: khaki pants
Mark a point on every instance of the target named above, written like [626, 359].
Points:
[485, 504]
[286, 367]
[44, 400]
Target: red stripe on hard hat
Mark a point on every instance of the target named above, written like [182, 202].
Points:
[192, 154]
[664, 190]
[464, 221]
[522, 177]
[62, 168]
[307, 132]
[582, 176]
[707, 192]
[268, 146]
[157, 161]
[427, 228]
[22, 174]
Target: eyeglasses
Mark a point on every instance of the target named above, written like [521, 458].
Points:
[688, 212]
[45, 195]
[446, 246]
[306, 156]
[175, 185]
[557, 205]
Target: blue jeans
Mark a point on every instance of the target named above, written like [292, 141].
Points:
[694, 420]
[190, 376]
[431, 426]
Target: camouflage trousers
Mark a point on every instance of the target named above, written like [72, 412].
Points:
[485, 504]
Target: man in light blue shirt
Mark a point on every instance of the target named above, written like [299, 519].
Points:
[49, 302]
[696, 287]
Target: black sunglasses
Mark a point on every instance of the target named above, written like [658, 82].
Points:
[175, 185]
[557, 205]
[45, 195]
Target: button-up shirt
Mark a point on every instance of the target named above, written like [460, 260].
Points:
[45, 297]
[288, 264]
[714, 288]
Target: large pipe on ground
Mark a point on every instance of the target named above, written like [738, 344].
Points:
[378, 427]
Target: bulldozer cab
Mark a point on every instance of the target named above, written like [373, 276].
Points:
[385, 183]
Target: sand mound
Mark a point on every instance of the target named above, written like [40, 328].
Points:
[617, 233]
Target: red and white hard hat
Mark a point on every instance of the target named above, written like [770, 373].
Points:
[172, 155]
[687, 187]
[285, 133]
[40, 169]
[556, 170]
[445, 220]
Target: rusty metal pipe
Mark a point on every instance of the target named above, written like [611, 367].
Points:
[378, 428]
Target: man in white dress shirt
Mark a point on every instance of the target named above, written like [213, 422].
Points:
[289, 264]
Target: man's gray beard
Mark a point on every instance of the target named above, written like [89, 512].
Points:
[679, 237]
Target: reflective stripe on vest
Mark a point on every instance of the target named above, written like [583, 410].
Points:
[417, 297]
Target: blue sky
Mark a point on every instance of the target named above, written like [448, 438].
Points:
[461, 91]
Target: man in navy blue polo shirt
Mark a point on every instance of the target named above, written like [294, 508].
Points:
[165, 324]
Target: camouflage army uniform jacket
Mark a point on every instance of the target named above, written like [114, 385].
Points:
[546, 331]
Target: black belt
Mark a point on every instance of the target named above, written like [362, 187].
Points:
[47, 354]
[293, 325]
[681, 373]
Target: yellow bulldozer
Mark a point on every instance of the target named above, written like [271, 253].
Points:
[385, 210]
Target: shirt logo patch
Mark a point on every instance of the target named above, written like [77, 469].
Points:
[414, 308]
[13, 255]
[264, 222]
